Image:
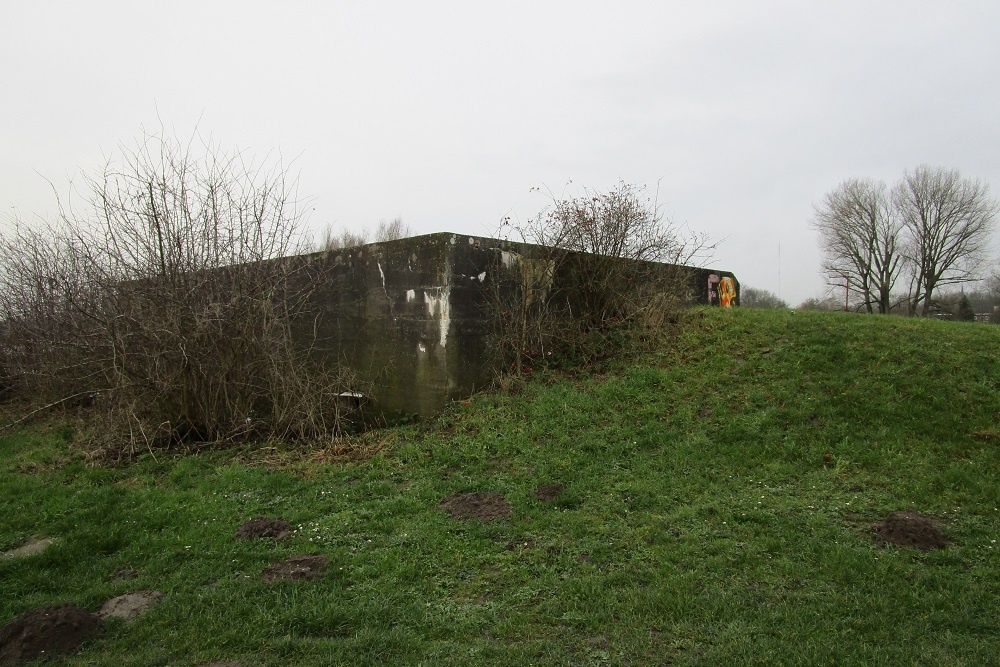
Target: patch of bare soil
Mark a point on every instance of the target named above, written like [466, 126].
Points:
[481, 506]
[909, 529]
[47, 632]
[263, 526]
[298, 567]
[129, 606]
[547, 492]
[30, 548]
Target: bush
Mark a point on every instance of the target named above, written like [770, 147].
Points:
[753, 297]
[825, 303]
[165, 301]
[597, 266]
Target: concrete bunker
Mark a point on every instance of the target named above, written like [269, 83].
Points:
[413, 318]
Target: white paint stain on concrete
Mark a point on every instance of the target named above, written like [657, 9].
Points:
[482, 277]
[411, 296]
[509, 258]
[422, 348]
[439, 306]
[384, 289]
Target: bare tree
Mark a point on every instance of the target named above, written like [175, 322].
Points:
[948, 220]
[348, 238]
[860, 235]
[392, 230]
[331, 240]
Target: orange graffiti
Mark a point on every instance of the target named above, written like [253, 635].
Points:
[727, 292]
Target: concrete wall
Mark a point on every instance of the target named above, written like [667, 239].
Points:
[413, 317]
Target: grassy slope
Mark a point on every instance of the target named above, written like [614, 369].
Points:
[700, 523]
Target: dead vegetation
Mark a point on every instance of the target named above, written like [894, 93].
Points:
[161, 300]
[599, 268]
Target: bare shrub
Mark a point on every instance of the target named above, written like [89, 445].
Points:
[599, 265]
[164, 299]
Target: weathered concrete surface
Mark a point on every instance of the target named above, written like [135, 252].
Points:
[409, 318]
[413, 318]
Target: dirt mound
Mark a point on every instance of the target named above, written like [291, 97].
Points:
[263, 526]
[298, 567]
[130, 605]
[482, 506]
[30, 548]
[46, 632]
[547, 492]
[909, 529]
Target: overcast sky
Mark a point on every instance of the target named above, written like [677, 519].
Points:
[448, 113]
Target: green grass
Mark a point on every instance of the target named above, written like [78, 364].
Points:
[700, 523]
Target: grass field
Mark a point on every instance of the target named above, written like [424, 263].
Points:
[718, 497]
